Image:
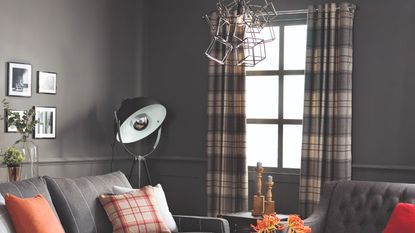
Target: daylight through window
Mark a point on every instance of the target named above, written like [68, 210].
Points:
[275, 99]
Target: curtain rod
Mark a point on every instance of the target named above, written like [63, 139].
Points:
[293, 12]
[304, 11]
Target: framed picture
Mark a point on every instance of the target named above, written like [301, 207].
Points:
[46, 128]
[46, 82]
[19, 79]
[12, 128]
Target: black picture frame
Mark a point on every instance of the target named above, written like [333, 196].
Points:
[47, 82]
[11, 129]
[19, 79]
[46, 128]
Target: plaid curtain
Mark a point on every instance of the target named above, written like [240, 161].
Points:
[227, 175]
[327, 132]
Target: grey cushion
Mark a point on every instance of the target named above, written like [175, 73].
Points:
[25, 188]
[77, 204]
[358, 206]
[28, 188]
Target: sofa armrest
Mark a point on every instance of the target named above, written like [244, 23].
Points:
[317, 220]
[201, 224]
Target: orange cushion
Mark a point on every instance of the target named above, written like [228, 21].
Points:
[32, 215]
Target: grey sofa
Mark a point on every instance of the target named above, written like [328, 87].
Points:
[358, 206]
[75, 202]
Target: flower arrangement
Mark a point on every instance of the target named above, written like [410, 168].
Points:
[271, 223]
[24, 124]
[296, 225]
[13, 157]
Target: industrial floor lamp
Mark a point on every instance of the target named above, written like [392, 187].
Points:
[136, 119]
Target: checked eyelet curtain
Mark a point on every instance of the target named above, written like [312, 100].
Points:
[327, 126]
[227, 175]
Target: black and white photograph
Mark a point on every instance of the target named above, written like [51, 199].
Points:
[46, 128]
[12, 128]
[46, 83]
[19, 79]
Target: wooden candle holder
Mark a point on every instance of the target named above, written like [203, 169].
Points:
[258, 199]
[269, 204]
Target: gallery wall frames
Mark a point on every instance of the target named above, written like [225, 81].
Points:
[46, 128]
[11, 128]
[19, 82]
[46, 82]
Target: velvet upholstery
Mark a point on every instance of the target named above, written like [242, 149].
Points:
[77, 204]
[201, 224]
[28, 188]
[23, 189]
[358, 206]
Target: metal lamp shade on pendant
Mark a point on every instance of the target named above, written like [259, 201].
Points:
[138, 118]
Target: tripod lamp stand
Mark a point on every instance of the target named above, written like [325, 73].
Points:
[136, 119]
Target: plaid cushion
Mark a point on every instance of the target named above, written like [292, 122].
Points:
[134, 212]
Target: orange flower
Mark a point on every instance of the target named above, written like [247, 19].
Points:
[268, 224]
[296, 225]
[294, 220]
[271, 223]
[304, 229]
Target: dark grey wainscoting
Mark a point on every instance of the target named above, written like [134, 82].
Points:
[184, 182]
[76, 167]
[388, 173]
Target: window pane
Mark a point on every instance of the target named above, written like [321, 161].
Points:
[295, 40]
[262, 97]
[292, 142]
[262, 144]
[293, 96]
[271, 62]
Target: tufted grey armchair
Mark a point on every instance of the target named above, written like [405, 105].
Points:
[358, 206]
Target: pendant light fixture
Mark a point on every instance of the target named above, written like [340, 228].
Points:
[236, 26]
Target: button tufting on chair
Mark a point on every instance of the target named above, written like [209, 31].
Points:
[361, 206]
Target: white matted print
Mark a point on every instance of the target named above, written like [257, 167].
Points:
[46, 128]
[19, 79]
[46, 82]
[12, 128]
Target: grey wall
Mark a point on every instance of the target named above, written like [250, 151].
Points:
[383, 108]
[95, 47]
[105, 50]
[175, 74]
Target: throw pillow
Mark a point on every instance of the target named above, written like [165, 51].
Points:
[32, 215]
[134, 212]
[161, 203]
[6, 225]
[402, 219]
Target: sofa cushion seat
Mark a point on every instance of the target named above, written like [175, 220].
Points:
[201, 224]
[77, 204]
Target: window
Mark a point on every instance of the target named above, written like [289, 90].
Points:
[275, 96]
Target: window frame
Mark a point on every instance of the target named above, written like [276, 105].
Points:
[281, 21]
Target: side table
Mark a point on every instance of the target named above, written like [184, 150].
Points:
[240, 222]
